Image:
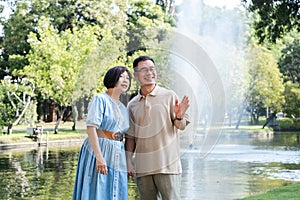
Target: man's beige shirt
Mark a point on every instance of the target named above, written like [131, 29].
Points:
[156, 137]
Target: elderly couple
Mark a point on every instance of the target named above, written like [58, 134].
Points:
[149, 126]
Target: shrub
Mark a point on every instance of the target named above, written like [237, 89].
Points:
[288, 124]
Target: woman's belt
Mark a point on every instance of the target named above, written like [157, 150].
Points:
[113, 135]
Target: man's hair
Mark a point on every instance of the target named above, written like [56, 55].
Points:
[112, 76]
[141, 58]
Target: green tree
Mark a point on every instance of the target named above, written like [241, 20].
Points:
[14, 41]
[292, 99]
[148, 30]
[167, 5]
[58, 61]
[276, 17]
[6, 109]
[16, 102]
[265, 82]
[147, 22]
[64, 15]
[289, 62]
[53, 51]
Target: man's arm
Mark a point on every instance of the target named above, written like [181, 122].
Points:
[181, 123]
[181, 118]
[129, 148]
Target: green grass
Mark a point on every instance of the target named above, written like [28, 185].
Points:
[288, 124]
[247, 128]
[19, 136]
[289, 192]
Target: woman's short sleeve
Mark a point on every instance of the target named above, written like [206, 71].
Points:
[95, 112]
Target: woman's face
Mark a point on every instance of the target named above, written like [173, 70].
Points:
[123, 83]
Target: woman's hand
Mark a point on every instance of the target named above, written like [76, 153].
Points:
[101, 166]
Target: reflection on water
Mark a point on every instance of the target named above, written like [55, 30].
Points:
[43, 173]
[240, 165]
[39, 173]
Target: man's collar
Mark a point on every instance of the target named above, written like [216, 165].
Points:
[152, 93]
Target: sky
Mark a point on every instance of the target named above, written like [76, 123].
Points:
[5, 14]
[227, 3]
[220, 3]
[6, 9]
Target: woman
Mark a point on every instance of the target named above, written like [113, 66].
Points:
[101, 171]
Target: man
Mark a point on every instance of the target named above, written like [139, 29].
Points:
[155, 117]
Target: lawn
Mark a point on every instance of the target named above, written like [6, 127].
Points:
[65, 132]
[289, 192]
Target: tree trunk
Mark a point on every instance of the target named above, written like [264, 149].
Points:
[75, 116]
[80, 109]
[57, 125]
[23, 111]
[240, 118]
[59, 118]
[9, 129]
[241, 112]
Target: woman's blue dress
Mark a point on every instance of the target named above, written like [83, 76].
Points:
[104, 114]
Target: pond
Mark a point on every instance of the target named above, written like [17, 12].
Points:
[241, 164]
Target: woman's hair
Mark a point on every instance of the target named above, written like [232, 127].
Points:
[112, 76]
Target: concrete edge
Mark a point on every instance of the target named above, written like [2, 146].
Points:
[21, 145]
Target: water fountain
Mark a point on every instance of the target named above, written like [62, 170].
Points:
[208, 56]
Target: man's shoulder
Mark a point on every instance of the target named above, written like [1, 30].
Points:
[165, 91]
[133, 99]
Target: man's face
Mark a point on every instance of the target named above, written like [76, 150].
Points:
[145, 72]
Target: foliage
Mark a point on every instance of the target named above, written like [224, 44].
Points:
[108, 16]
[58, 61]
[292, 99]
[289, 62]
[6, 110]
[64, 47]
[146, 23]
[16, 30]
[167, 5]
[16, 102]
[148, 29]
[276, 17]
[288, 124]
[63, 15]
[30, 116]
[265, 81]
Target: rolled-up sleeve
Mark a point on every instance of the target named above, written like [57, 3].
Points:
[95, 112]
[130, 131]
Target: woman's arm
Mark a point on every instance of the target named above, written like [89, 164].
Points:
[93, 139]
